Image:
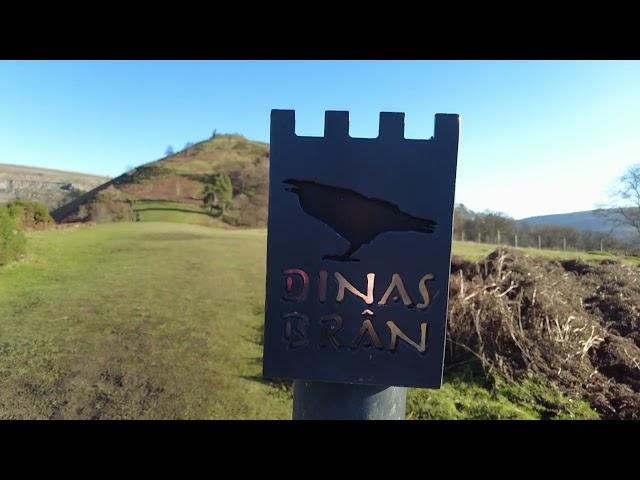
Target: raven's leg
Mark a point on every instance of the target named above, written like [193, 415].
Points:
[346, 256]
[350, 251]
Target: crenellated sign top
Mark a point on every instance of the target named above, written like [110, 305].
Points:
[391, 126]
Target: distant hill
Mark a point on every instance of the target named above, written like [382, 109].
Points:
[173, 188]
[586, 220]
[51, 187]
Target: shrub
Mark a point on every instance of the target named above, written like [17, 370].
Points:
[12, 238]
[253, 212]
[33, 214]
[109, 205]
[219, 193]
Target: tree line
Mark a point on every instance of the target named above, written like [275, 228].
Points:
[498, 228]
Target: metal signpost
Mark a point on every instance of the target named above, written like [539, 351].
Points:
[358, 261]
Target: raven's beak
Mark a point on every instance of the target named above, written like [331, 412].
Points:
[294, 187]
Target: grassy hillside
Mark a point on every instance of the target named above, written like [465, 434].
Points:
[180, 181]
[591, 220]
[164, 320]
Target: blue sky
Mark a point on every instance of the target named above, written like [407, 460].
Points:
[537, 137]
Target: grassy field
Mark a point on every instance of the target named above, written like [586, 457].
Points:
[144, 320]
[164, 320]
[175, 212]
[477, 251]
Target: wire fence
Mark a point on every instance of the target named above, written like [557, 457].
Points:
[520, 240]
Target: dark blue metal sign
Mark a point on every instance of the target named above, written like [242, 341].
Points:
[359, 251]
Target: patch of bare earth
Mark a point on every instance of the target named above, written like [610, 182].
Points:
[117, 382]
[173, 188]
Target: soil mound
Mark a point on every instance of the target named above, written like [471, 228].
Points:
[577, 323]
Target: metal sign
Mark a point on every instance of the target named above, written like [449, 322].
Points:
[358, 252]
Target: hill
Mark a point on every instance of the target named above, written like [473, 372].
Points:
[51, 187]
[589, 220]
[173, 188]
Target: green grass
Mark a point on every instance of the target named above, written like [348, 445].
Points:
[164, 320]
[477, 251]
[138, 320]
[466, 395]
[176, 212]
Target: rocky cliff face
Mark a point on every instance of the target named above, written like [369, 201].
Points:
[51, 187]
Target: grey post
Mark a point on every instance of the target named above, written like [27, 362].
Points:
[343, 401]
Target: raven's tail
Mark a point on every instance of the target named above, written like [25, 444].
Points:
[425, 226]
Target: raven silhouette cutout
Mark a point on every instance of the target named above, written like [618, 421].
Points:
[355, 217]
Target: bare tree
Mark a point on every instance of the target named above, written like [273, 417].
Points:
[625, 201]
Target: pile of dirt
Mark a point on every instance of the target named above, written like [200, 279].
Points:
[576, 323]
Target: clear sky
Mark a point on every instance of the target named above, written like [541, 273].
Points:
[537, 137]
